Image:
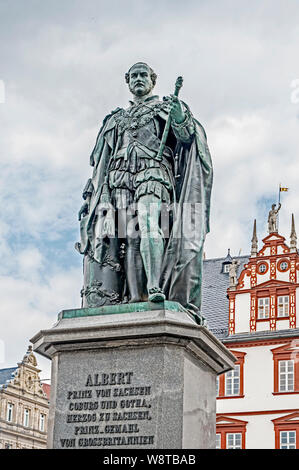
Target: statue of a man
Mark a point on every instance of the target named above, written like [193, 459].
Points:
[130, 188]
[272, 218]
[233, 279]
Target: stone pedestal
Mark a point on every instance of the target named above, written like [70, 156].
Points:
[132, 376]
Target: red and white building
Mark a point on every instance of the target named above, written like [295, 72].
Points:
[258, 402]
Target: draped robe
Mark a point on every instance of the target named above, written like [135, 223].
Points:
[181, 275]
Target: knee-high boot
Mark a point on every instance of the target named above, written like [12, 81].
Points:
[135, 275]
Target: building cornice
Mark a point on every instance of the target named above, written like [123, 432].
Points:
[20, 395]
[20, 434]
[261, 338]
[253, 413]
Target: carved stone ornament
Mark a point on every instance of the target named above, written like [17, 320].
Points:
[30, 357]
[29, 382]
[97, 296]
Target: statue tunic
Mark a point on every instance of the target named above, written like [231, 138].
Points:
[134, 170]
[126, 167]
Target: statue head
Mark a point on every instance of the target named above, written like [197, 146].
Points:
[141, 79]
[273, 206]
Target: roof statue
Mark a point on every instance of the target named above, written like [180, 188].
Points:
[146, 207]
[233, 278]
[30, 357]
[273, 218]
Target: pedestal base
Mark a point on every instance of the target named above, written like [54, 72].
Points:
[143, 379]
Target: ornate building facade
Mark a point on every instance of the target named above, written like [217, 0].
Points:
[255, 314]
[24, 406]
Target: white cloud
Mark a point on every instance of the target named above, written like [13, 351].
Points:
[29, 304]
[65, 65]
[30, 260]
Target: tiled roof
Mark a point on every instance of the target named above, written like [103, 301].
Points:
[6, 375]
[214, 294]
[262, 335]
[46, 389]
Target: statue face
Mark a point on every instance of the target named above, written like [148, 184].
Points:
[140, 82]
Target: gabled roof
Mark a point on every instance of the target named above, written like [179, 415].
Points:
[286, 419]
[6, 375]
[214, 294]
[273, 239]
[46, 388]
[223, 420]
[250, 336]
[290, 347]
[228, 258]
[274, 236]
[273, 283]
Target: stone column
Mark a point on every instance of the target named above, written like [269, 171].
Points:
[132, 379]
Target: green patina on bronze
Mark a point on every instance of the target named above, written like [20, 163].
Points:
[152, 153]
[121, 309]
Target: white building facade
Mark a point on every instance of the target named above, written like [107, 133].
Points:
[24, 406]
[258, 402]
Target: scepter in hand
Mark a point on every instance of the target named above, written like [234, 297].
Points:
[178, 86]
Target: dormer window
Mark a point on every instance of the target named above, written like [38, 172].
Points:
[226, 268]
[227, 262]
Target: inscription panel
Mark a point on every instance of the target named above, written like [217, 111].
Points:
[105, 400]
[111, 411]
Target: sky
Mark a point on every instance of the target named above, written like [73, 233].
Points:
[62, 66]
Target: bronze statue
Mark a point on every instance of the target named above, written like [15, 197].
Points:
[150, 162]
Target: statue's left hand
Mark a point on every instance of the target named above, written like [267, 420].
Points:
[83, 211]
[175, 108]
